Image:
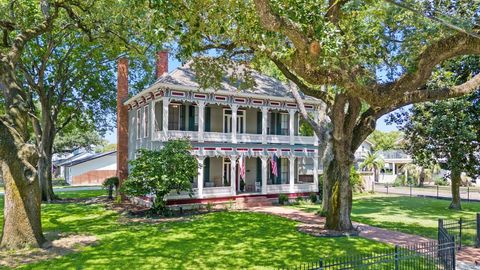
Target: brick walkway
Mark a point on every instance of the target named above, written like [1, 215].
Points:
[467, 255]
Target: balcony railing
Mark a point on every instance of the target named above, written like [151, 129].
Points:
[227, 137]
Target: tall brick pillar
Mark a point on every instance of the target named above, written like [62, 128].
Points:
[161, 63]
[122, 120]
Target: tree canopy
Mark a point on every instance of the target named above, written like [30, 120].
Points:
[362, 58]
[385, 140]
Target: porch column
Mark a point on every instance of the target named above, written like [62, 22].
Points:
[233, 174]
[234, 123]
[264, 124]
[264, 174]
[291, 173]
[200, 176]
[201, 120]
[315, 172]
[166, 102]
[316, 118]
[394, 169]
[292, 126]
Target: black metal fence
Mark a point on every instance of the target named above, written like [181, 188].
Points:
[465, 230]
[467, 194]
[428, 255]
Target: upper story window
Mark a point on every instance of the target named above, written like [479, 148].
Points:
[145, 121]
[176, 117]
[284, 124]
[139, 123]
[227, 121]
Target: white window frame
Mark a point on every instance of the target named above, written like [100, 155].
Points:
[244, 119]
[139, 123]
[179, 116]
[284, 116]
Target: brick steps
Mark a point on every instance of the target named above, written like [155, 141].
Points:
[257, 201]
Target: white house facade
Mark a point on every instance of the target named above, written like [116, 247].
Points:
[236, 135]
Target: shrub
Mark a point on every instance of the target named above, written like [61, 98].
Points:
[399, 181]
[356, 181]
[59, 182]
[313, 197]
[160, 172]
[209, 206]
[441, 181]
[299, 200]
[282, 199]
[111, 183]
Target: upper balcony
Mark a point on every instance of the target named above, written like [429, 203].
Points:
[202, 122]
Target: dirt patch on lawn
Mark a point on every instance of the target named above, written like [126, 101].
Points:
[63, 245]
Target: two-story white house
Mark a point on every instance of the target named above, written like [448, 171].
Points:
[231, 130]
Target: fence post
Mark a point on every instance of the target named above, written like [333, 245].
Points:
[320, 265]
[468, 193]
[396, 257]
[387, 188]
[411, 190]
[437, 192]
[477, 244]
[440, 225]
[460, 222]
[452, 252]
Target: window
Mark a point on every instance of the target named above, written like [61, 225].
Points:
[227, 121]
[195, 118]
[145, 121]
[284, 124]
[139, 123]
[284, 170]
[174, 117]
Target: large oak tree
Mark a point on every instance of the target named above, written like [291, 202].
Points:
[28, 30]
[371, 57]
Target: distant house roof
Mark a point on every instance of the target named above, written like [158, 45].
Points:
[85, 159]
[185, 77]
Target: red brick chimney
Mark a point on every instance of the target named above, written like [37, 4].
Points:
[161, 65]
[122, 119]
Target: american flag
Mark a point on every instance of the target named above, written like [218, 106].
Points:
[274, 165]
[242, 167]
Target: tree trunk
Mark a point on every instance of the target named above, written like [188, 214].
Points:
[421, 178]
[46, 134]
[45, 178]
[456, 179]
[340, 197]
[22, 224]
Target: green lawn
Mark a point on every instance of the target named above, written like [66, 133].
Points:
[406, 214]
[222, 240]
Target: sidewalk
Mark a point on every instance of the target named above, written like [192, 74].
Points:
[468, 255]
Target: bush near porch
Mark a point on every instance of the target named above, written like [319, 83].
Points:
[221, 240]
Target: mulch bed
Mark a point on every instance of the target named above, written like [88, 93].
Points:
[318, 230]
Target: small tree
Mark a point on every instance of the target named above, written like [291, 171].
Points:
[445, 133]
[373, 162]
[109, 184]
[160, 172]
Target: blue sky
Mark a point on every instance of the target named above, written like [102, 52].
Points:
[173, 63]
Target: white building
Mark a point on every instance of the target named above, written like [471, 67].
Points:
[226, 126]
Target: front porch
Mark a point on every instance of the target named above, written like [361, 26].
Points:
[222, 176]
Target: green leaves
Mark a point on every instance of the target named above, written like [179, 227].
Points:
[160, 172]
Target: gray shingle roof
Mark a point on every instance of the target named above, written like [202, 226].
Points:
[264, 85]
